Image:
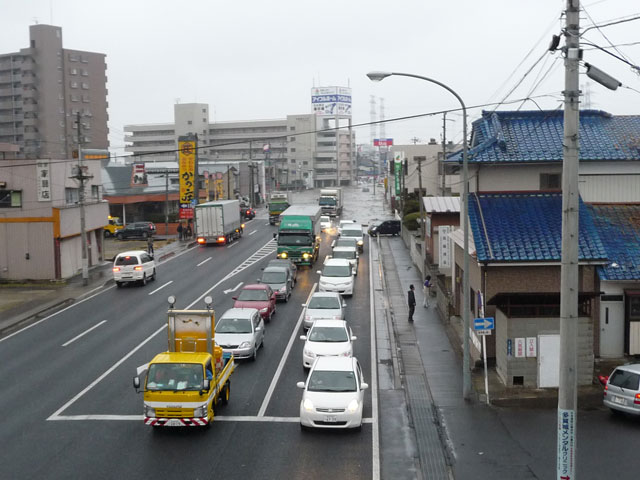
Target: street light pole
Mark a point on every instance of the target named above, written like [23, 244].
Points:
[466, 372]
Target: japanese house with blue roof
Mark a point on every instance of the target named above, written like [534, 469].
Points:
[515, 206]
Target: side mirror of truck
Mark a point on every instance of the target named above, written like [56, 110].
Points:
[319, 272]
[300, 384]
[136, 383]
[303, 337]
[206, 384]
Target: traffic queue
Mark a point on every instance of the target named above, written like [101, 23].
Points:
[185, 385]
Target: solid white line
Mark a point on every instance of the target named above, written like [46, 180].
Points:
[253, 232]
[375, 437]
[83, 333]
[161, 287]
[204, 261]
[99, 379]
[218, 418]
[232, 245]
[283, 360]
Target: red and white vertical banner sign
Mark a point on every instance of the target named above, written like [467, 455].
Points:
[566, 444]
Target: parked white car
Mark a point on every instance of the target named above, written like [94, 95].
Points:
[133, 266]
[240, 331]
[333, 394]
[347, 253]
[323, 305]
[327, 338]
[336, 276]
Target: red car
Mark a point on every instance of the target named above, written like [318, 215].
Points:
[258, 296]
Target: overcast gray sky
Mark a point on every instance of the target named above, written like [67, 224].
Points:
[254, 59]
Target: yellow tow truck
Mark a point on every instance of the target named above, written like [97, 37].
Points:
[183, 386]
[111, 228]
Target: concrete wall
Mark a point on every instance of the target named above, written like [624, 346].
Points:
[509, 366]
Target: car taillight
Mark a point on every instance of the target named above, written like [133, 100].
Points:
[201, 240]
[116, 269]
[636, 400]
[221, 239]
[138, 267]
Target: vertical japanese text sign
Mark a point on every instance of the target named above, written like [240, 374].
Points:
[187, 160]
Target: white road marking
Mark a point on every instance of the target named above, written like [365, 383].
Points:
[56, 414]
[83, 333]
[276, 377]
[375, 437]
[234, 288]
[217, 418]
[253, 232]
[232, 245]
[204, 261]
[161, 287]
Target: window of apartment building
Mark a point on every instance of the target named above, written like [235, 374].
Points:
[71, 195]
[10, 198]
[204, 110]
[85, 98]
[205, 121]
[292, 149]
[86, 139]
[189, 122]
[73, 71]
[95, 192]
[85, 86]
[293, 129]
[75, 98]
[550, 181]
[74, 84]
[85, 73]
[73, 57]
[74, 111]
[84, 59]
[61, 123]
[305, 163]
[292, 139]
[60, 96]
[293, 160]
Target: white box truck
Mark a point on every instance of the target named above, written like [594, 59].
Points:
[218, 222]
[331, 201]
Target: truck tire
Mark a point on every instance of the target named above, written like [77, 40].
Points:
[226, 393]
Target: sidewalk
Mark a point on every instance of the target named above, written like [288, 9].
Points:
[24, 303]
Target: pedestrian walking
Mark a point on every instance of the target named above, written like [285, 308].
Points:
[411, 298]
[189, 231]
[426, 290]
[150, 245]
[179, 231]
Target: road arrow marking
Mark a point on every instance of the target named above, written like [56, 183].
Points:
[233, 289]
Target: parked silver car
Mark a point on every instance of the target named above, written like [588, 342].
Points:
[622, 389]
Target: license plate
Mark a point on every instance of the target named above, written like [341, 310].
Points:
[619, 400]
[173, 423]
[330, 419]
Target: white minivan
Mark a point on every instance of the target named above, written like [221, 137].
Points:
[336, 276]
[134, 266]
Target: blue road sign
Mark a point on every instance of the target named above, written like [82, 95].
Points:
[484, 323]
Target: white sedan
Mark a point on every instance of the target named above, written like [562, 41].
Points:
[333, 394]
[327, 338]
[325, 305]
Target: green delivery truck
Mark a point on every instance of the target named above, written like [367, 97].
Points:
[299, 234]
[278, 203]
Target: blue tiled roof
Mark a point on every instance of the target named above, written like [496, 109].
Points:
[527, 227]
[619, 229]
[536, 136]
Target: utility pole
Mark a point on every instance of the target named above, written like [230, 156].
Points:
[80, 176]
[423, 235]
[569, 272]
[228, 181]
[166, 202]
[444, 151]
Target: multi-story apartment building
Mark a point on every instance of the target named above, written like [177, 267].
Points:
[43, 90]
[298, 149]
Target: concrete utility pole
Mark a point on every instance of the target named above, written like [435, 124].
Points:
[569, 284]
[81, 199]
[444, 152]
[423, 235]
[166, 202]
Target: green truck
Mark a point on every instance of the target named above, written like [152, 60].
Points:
[278, 203]
[299, 234]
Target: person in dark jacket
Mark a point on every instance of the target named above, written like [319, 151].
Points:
[411, 298]
[179, 231]
[150, 245]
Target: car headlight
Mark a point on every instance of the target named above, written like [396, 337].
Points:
[307, 405]
[244, 345]
[360, 242]
[308, 318]
[353, 406]
[264, 310]
[284, 255]
[309, 353]
[149, 412]
[283, 290]
[305, 255]
[346, 353]
[200, 411]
